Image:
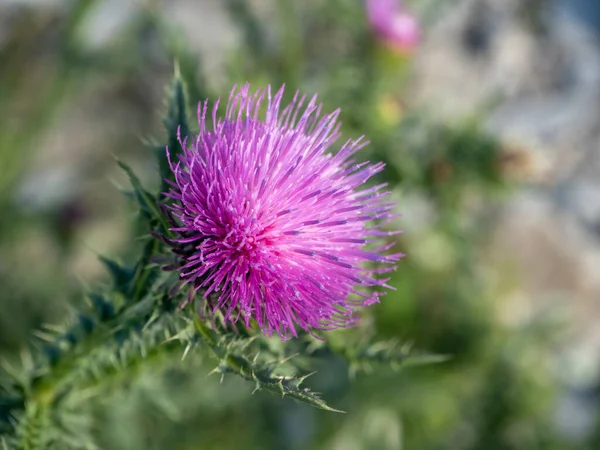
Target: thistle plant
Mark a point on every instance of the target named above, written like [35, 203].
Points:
[260, 231]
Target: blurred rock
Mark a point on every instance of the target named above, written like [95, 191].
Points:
[534, 60]
[533, 67]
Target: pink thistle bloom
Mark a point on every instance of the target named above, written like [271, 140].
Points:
[396, 27]
[270, 225]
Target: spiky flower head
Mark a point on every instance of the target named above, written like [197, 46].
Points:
[271, 226]
[396, 27]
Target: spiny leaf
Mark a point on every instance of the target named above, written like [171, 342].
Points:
[32, 427]
[146, 201]
[365, 356]
[119, 361]
[259, 373]
[121, 276]
[53, 372]
[8, 405]
[101, 306]
[263, 378]
[145, 273]
[176, 125]
[72, 429]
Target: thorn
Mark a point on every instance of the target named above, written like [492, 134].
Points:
[152, 319]
[304, 377]
[326, 407]
[114, 361]
[381, 346]
[258, 384]
[53, 328]
[167, 334]
[288, 358]
[280, 383]
[407, 347]
[186, 351]
[215, 370]
[27, 358]
[175, 337]
[144, 350]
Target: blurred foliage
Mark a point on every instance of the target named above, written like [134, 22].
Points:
[499, 389]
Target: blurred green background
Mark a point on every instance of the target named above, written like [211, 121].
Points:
[490, 131]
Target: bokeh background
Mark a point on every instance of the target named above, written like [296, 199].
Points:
[490, 129]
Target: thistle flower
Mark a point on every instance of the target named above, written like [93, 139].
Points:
[393, 25]
[272, 227]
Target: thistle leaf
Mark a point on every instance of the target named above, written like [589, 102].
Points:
[146, 201]
[262, 374]
[366, 356]
[121, 276]
[32, 427]
[176, 125]
[263, 378]
[163, 341]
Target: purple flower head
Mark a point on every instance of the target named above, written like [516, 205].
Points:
[273, 227]
[392, 24]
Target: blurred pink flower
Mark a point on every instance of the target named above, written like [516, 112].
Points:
[396, 27]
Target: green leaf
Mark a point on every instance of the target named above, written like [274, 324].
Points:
[366, 356]
[147, 201]
[33, 426]
[161, 343]
[145, 273]
[263, 377]
[9, 403]
[262, 374]
[176, 125]
[121, 276]
[103, 308]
